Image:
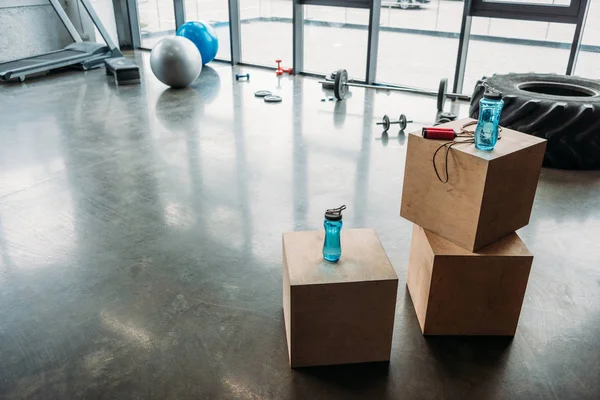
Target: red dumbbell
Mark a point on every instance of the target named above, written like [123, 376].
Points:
[280, 70]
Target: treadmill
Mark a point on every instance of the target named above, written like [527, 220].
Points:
[82, 55]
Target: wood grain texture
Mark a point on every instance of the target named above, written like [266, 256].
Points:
[363, 258]
[488, 194]
[509, 194]
[510, 141]
[452, 209]
[287, 302]
[338, 313]
[468, 293]
[419, 279]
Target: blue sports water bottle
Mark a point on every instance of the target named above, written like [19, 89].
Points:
[332, 248]
[490, 107]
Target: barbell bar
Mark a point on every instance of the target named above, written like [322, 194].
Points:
[341, 85]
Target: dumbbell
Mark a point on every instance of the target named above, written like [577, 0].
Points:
[242, 76]
[281, 71]
[402, 122]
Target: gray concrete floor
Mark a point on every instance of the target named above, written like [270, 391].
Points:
[140, 246]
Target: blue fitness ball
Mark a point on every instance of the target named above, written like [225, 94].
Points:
[203, 36]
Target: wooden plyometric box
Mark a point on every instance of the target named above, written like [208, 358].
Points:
[489, 194]
[338, 313]
[456, 292]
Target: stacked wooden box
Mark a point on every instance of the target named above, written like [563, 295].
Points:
[468, 270]
[337, 313]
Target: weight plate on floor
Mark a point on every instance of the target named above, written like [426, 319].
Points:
[448, 115]
[402, 122]
[272, 99]
[386, 123]
[340, 86]
[262, 93]
[442, 91]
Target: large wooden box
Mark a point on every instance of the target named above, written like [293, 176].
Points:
[456, 292]
[488, 194]
[338, 313]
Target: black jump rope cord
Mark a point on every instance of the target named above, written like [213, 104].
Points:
[448, 145]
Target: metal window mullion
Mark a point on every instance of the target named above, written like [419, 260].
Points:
[235, 40]
[529, 12]
[298, 37]
[179, 11]
[134, 24]
[463, 48]
[578, 36]
[373, 44]
[122, 23]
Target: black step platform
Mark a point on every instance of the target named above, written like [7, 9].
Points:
[124, 71]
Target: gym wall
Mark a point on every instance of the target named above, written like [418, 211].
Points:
[26, 30]
[83, 23]
[29, 27]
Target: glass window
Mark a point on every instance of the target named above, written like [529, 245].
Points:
[216, 13]
[157, 20]
[503, 46]
[334, 38]
[588, 63]
[266, 30]
[418, 42]
[536, 2]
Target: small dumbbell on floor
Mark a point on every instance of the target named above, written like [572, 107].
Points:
[402, 122]
[242, 76]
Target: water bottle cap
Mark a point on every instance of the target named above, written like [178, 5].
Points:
[492, 95]
[334, 214]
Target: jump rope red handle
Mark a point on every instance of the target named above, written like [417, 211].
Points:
[439, 133]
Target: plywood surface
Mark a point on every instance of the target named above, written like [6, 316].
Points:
[363, 258]
[420, 269]
[510, 245]
[456, 292]
[451, 209]
[477, 296]
[510, 141]
[509, 193]
[488, 194]
[342, 323]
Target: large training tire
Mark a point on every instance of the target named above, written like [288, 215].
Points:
[563, 109]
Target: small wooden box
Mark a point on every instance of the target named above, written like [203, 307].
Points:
[456, 292]
[488, 194]
[338, 313]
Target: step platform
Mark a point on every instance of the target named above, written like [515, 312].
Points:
[124, 71]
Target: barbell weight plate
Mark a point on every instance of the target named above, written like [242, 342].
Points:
[272, 99]
[340, 85]
[442, 92]
[386, 123]
[329, 81]
[448, 115]
[262, 93]
[402, 122]
[345, 87]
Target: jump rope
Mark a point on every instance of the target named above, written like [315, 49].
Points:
[449, 133]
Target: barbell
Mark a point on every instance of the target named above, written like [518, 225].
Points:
[341, 87]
